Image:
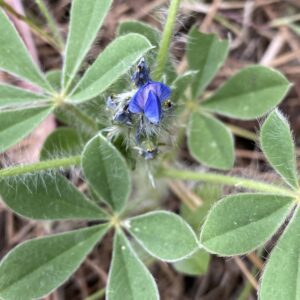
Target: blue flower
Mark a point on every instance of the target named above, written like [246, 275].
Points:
[149, 99]
[141, 75]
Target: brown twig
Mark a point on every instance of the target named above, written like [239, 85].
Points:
[256, 260]
[246, 272]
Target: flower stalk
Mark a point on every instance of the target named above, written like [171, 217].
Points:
[163, 51]
[225, 180]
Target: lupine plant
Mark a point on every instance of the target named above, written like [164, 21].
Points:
[122, 113]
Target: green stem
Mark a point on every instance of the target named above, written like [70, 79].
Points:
[40, 166]
[225, 180]
[96, 296]
[163, 51]
[238, 131]
[51, 22]
[35, 28]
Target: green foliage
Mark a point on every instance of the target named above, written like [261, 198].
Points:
[86, 19]
[152, 34]
[63, 142]
[106, 171]
[249, 94]
[240, 223]
[15, 125]
[128, 277]
[14, 57]
[181, 84]
[195, 265]
[195, 217]
[210, 142]
[113, 62]
[277, 144]
[164, 235]
[36, 267]
[45, 197]
[10, 95]
[235, 225]
[281, 275]
[54, 79]
[206, 54]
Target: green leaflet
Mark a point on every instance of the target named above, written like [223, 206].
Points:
[249, 94]
[14, 57]
[128, 278]
[240, 223]
[54, 78]
[278, 146]
[206, 54]
[163, 234]
[12, 96]
[151, 33]
[281, 276]
[15, 125]
[154, 36]
[195, 265]
[86, 19]
[106, 171]
[210, 142]
[46, 197]
[63, 142]
[114, 61]
[209, 193]
[35, 268]
[180, 85]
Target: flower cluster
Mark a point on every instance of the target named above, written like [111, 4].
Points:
[142, 112]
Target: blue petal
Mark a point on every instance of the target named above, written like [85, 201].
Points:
[162, 91]
[136, 104]
[153, 108]
[165, 92]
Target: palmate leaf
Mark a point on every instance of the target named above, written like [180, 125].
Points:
[86, 19]
[128, 278]
[249, 94]
[210, 142]
[106, 171]
[240, 223]
[35, 268]
[281, 276]
[15, 125]
[164, 235]
[278, 146]
[46, 197]
[113, 62]
[206, 54]
[14, 57]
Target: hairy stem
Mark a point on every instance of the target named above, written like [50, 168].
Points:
[163, 51]
[225, 180]
[51, 22]
[244, 133]
[41, 166]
